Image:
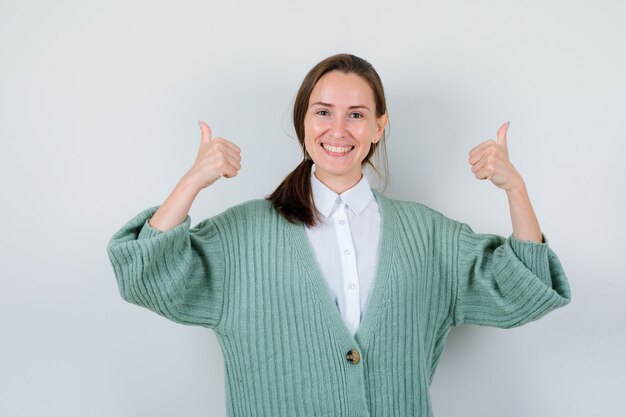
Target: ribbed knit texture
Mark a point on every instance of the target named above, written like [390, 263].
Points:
[252, 277]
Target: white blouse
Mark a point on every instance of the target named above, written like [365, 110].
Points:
[346, 245]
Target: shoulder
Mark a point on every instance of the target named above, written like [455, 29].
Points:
[241, 215]
[413, 212]
[249, 209]
[407, 207]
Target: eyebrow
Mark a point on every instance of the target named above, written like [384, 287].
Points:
[360, 106]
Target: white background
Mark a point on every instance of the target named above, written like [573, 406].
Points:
[99, 103]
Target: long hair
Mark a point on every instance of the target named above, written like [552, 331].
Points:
[293, 198]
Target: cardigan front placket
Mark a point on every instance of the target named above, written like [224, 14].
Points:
[354, 371]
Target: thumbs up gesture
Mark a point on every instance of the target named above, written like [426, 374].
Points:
[490, 160]
[217, 157]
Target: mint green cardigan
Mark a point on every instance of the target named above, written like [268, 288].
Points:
[252, 277]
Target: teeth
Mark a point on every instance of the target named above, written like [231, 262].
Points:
[337, 149]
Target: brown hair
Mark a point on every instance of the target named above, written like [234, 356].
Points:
[293, 198]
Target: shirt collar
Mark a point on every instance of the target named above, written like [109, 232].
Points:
[357, 197]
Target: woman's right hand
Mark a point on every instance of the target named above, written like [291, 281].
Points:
[216, 158]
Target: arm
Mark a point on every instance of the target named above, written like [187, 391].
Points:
[178, 274]
[505, 282]
[217, 157]
[164, 265]
[490, 160]
[523, 218]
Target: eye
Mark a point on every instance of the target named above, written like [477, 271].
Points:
[322, 111]
[360, 116]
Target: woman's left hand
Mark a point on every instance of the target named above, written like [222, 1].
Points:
[490, 160]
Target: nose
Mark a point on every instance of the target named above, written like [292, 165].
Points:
[337, 128]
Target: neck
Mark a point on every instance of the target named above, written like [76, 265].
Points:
[338, 184]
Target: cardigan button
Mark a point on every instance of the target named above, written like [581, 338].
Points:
[353, 356]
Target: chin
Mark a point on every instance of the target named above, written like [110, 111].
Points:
[334, 171]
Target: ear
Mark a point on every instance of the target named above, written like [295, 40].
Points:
[381, 122]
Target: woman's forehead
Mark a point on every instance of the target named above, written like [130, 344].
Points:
[341, 89]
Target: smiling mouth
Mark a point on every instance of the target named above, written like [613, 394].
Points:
[336, 150]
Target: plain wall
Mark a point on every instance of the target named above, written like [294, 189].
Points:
[99, 103]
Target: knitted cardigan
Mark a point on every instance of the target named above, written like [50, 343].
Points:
[253, 278]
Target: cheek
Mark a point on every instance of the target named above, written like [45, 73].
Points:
[314, 126]
[312, 131]
[363, 131]
[309, 135]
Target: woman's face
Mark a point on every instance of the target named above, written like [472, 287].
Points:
[340, 126]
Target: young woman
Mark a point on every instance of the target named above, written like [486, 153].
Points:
[329, 298]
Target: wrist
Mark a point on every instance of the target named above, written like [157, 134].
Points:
[189, 183]
[517, 188]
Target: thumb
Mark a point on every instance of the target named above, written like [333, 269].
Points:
[206, 132]
[502, 134]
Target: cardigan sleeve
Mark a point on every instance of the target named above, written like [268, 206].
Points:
[178, 273]
[506, 282]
